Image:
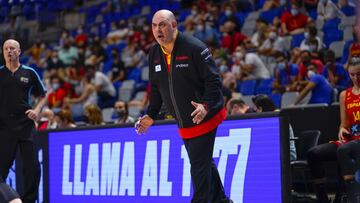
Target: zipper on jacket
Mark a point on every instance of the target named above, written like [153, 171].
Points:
[172, 95]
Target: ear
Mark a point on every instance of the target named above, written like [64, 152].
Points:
[174, 24]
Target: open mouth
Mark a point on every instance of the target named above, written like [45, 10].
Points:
[160, 36]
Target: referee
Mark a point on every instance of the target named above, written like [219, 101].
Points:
[17, 118]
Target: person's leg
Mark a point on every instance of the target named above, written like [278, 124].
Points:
[8, 146]
[31, 166]
[347, 154]
[200, 151]
[316, 157]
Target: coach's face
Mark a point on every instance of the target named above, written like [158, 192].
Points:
[163, 28]
[11, 51]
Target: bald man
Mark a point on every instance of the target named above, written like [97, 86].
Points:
[17, 83]
[184, 76]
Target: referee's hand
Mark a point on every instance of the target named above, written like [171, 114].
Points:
[32, 114]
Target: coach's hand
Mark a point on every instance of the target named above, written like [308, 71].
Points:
[143, 124]
[32, 114]
[199, 113]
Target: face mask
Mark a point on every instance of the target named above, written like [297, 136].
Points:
[199, 27]
[310, 73]
[272, 35]
[223, 68]
[294, 11]
[306, 35]
[55, 86]
[312, 48]
[238, 55]
[120, 113]
[193, 12]
[228, 13]
[281, 66]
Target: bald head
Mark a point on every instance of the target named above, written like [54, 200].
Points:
[12, 42]
[11, 52]
[164, 28]
[165, 14]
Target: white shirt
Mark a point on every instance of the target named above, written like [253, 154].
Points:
[104, 82]
[330, 10]
[259, 69]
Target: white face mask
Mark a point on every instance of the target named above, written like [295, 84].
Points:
[272, 35]
[294, 11]
[312, 48]
[310, 73]
[306, 35]
[238, 55]
[199, 27]
[228, 12]
[281, 66]
[55, 86]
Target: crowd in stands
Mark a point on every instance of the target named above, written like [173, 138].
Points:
[272, 47]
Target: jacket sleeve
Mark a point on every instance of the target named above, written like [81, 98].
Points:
[155, 100]
[209, 74]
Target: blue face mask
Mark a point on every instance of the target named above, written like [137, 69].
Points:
[294, 11]
[281, 66]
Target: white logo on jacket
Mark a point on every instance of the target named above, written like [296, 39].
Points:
[157, 68]
[24, 79]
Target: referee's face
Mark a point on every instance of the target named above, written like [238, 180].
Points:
[11, 51]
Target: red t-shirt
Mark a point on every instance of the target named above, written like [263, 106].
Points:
[232, 41]
[294, 22]
[303, 70]
[56, 97]
[354, 49]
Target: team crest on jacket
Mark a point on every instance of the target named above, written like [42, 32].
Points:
[25, 80]
[157, 68]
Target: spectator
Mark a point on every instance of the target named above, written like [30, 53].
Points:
[93, 115]
[328, 10]
[118, 71]
[231, 38]
[103, 86]
[81, 37]
[53, 63]
[88, 96]
[306, 59]
[206, 33]
[97, 51]
[57, 93]
[335, 72]
[320, 88]
[294, 22]
[354, 48]
[68, 53]
[238, 107]
[117, 33]
[47, 120]
[252, 67]
[285, 74]
[260, 34]
[347, 8]
[64, 119]
[310, 32]
[122, 112]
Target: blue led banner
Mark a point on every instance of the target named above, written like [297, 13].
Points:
[117, 165]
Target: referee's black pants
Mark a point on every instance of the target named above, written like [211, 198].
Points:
[22, 137]
[205, 176]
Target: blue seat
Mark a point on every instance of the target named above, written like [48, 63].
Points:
[296, 40]
[276, 98]
[134, 74]
[264, 86]
[248, 87]
[330, 25]
[269, 15]
[348, 10]
[332, 35]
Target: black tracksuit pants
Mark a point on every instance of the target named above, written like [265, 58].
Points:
[22, 137]
[205, 176]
